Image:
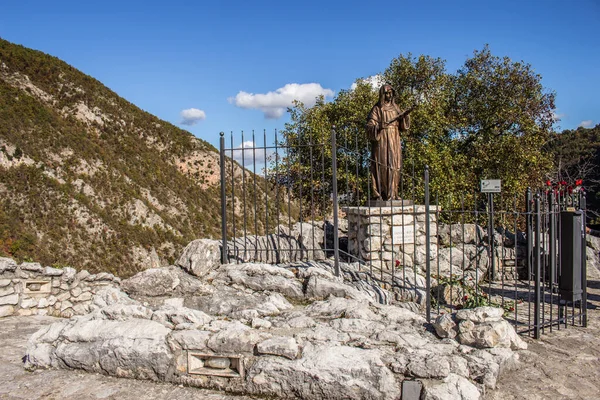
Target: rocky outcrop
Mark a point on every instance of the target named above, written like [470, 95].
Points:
[290, 331]
[482, 327]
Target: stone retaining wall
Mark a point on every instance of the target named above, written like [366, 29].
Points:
[30, 289]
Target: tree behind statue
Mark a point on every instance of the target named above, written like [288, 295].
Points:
[488, 120]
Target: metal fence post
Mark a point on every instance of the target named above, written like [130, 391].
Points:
[427, 247]
[537, 265]
[224, 258]
[491, 231]
[583, 304]
[552, 244]
[336, 244]
[529, 217]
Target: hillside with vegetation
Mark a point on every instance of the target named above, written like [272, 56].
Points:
[88, 179]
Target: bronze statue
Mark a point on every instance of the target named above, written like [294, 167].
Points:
[384, 124]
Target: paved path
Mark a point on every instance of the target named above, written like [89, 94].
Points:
[16, 383]
[563, 364]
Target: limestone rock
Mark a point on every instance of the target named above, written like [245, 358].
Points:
[134, 349]
[320, 288]
[31, 266]
[489, 334]
[173, 316]
[445, 326]
[266, 277]
[152, 282]
[7, 264]
[228, 301]
[11, 299]
[279, 346]
[6, 311]
[454, 234]
[68, 274]
[258, 323]
[453, 387]
[110, 295]
[319, 370]
[6, 290]
[49, 271]
[480, 314]
[200, 257]
[191, 339]
[123, 312]
[236, 338]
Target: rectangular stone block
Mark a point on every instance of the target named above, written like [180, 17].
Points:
[12, 300]
[403, 219]
[5, 291]
[411, 390]
[5, 311]
[372, 244]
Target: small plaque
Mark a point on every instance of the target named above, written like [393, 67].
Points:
[228, 366]
[490, 186]
[571, 209]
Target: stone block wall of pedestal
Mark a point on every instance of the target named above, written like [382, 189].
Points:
[392, 236]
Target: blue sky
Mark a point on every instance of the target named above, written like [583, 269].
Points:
[167, 57]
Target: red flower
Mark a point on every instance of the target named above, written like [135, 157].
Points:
[564, 183]
[579, 182]
[465, 297]
[570, 190]
[397, 263]
[548, 183]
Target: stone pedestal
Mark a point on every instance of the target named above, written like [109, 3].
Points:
[391, 236]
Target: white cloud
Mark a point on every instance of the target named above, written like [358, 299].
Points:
[248, 152]
[558, 116]
[192, 116]
[274, 104]
[587, 123]
[376, 81]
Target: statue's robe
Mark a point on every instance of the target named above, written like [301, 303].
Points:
[386, 149]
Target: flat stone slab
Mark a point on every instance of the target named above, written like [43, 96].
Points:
[389, 210]
[390, 203]
[17, 383]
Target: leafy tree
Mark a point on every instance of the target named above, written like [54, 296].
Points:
[490, 119]
[577, 156]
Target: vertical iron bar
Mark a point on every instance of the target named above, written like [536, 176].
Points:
[278, 231]
[529, 217]
[244, 198]
[552, 249]
[336, 245]
[583, 303]
[235, 250]
[537, 264]
[224, 259]
[268, 253]
[256, 234]
[427, 247]
[491, 232]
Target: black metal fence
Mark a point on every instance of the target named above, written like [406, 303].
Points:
[306, 199]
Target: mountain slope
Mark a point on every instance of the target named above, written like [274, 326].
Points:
[90, 180]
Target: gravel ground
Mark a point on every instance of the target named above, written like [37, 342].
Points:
[563, 364]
